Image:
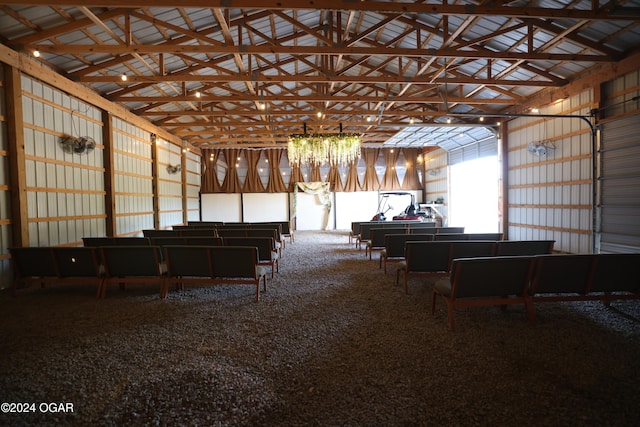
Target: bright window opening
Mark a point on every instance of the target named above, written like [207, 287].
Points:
[474, 195]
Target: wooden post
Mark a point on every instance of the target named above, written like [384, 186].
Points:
[17, 166]
[109, 174]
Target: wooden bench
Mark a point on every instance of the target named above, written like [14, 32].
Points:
[115, 241]
[434, 258]
[586, 277]
[217, 265]
[267, 253]
[524, 247]
[485, 281]
[377, 238]
[394, 245]
[550, 278]
[56, 264]
[131, 264]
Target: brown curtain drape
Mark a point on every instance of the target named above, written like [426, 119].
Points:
[411, 179]
[333, 178]
[370, 181]
[210, 183]
[296, 176]
[231, 183]
[276, 183]
[316, 176]
[352, 183]
[252, 183]
[390, 179]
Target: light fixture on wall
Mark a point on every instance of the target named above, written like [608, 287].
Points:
[540, 148]
[77, 145]
[173, 169]
[335, 148]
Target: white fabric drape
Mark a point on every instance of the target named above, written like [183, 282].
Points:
[319, 189]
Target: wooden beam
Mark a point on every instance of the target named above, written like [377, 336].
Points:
[350, 5]
[308, 98]
[16, 158]
[109, 174]
[79, 49]
[319, 78]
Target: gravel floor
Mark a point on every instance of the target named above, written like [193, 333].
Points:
[333, 342]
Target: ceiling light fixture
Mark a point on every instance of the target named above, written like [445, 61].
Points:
[319, 148]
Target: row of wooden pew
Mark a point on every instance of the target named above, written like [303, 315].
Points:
[379, 241]
[283, 228]
[165, 266]
[527, 280]
[360, 230]
[435, 258]
[268, 250]
[272, 231]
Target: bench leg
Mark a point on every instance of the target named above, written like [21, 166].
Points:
[434, 296]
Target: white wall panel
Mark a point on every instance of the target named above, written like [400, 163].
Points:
[133, 177]
[224, 207]
[551, 196]
[62, 187]
[257, 207]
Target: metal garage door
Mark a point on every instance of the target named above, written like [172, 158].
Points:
[618, 204]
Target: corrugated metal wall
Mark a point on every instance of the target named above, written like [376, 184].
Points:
[133, 169]
[65, 190]
[5, 202]
[169, 157]
[618, 160]
[551, 197]
[192, 185]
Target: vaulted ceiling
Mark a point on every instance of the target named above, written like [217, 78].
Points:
[250, 73]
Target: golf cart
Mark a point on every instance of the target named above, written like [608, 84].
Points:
[411, 212]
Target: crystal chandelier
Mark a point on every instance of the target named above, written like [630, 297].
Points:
[316, 149]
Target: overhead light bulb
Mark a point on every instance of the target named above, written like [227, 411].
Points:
[411, 120]
[123, 77]
[198, 94]
[36, 53]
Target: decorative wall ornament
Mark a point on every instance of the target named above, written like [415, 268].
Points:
[319, 148]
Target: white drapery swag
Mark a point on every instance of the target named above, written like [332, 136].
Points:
[319, 189]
